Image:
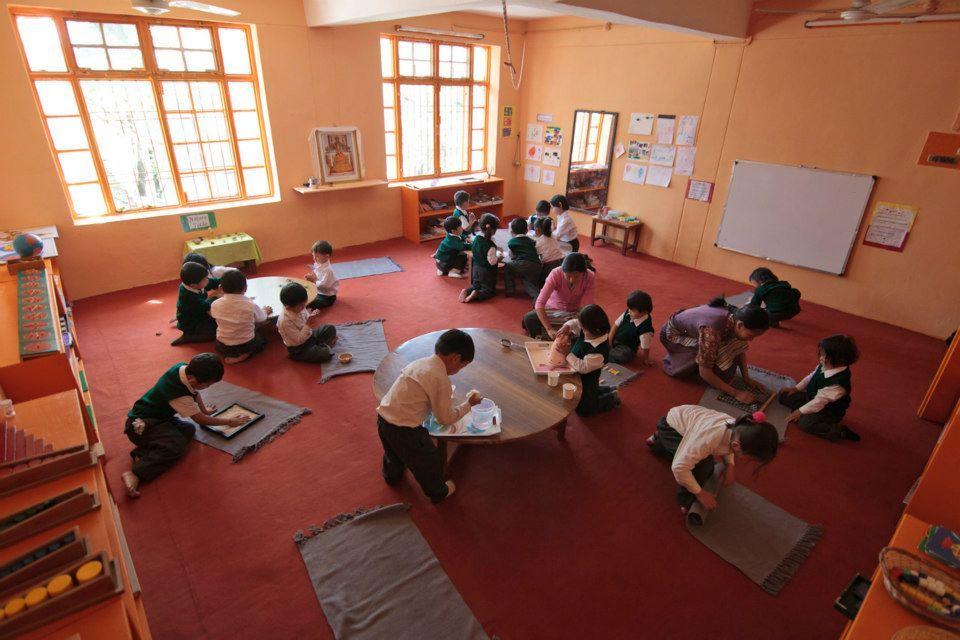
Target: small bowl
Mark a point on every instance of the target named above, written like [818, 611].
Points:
[344, 358]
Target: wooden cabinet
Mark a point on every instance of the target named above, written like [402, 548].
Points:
[421, 222]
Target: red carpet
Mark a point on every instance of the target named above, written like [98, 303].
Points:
[580, 539]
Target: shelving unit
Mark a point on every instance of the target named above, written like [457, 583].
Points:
[417, 224]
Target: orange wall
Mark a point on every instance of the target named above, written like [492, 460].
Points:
[849, 99]
[312, 77]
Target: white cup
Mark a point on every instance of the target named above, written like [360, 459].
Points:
[553, 378]
[568, 390]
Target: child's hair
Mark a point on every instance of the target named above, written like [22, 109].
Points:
[640, 301]
[452, 223]
[543, 207]
[518, 226]
[455, 341]
[292, 294]
[489, 224]
[198, 258]
[574, 263]
[753, 317]
[461, 198]
[322, 247]
[758, 439]
[762, 275]
[233, 281]
[205, 367]
[192, 273]
[544, 226]
[594, 319]
[560, 202]
[840, 350]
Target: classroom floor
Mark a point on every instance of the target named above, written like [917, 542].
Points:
[580, 539]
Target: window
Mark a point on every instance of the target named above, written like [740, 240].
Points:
[146, 114]
[435, 106]
[591, 138]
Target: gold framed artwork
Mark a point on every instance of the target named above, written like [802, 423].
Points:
[337, 154]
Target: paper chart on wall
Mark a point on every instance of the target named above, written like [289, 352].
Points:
[663, 154]
[659, 176]
[531, 172]
[641, 124]
[534, 133]
[551, 157]
[534, 152]
[665, 127]
[638, 150]
[634, 173]
[548, 177]
[618, 150]
[687, 130]
[685, 158]
[552, 136]
[889, 225]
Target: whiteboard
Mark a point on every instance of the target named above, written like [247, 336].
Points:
[795, 215]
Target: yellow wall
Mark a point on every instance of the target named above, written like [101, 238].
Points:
[312, 77]
[850, 99]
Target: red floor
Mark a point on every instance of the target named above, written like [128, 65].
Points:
[580, 539]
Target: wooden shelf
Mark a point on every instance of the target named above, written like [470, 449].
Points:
[587, 190]
[431, 238]
[443, 212]
[416, 222]
[339, 186]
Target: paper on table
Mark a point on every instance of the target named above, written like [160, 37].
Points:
[551, 157]
[687, 130]
[531, 172]
[685, 158]
[890, 224]
[634, 173]
[665, 126]
[534, 133]
[638, 150]
[663, 154]
[534, 152]
[618, 150]
[548, 177]
[641, 124]
[659, 176]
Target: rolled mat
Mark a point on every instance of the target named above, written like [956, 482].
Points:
[759, 538]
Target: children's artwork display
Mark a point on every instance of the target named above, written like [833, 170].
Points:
[233, 411]
[506, 121]
[641, 124]
[665, 128]
[659, 176]
[551, 157]
[539, 354]
[890, 225]
[663, 154]
[531, 172]
[685, 159]
[687, 130]
[535, 133]
[553, 136]
[618, 150]
[534, 152]
[35, 321]
[336, 153]
[634, 173]
[638, 150]
[548, 177]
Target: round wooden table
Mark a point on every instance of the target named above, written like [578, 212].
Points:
[504, 374]
[265, 291]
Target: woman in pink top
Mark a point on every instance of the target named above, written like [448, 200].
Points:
[568, 288]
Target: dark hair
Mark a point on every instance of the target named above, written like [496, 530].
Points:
[753, 317]
[544, 226]
[594, 319]
[840, 350]
[543, 207]
[192, 273]
[233, 281]
[519, 226]
[205, 367]
[574, 263]
[489, 224]
[759, 440]
[452, 223]
[461, 197]
[198, 258]
[560, 202]
[640, 301]
[762, 275]
[322, 247]
[455, 341]
[292, 294]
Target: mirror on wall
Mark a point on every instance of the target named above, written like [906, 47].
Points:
[591, 153]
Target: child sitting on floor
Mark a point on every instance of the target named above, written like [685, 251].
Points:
[323, 276]
[193, 305]
[451, 255]
[303, 343]
[780, 300]
[215, 272]
[524, 261]
[161, 438]
[548, 248]
[820, 400]
[633, 330]
[238, 318]
[566, 227]
[486, 261]
[540, 212]
[423, 387]
[587, 357]
[461, 200]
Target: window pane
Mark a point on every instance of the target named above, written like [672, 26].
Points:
[453, 129]
[242, 96]
[476, 160]
[121, 35]
[386, 57]
[223, 184]
[479, 95]
[196, 186]
[247, 124]
[176, 96]
[389, 120]
[84, 32]
[422, 69]
[170, 59]
[405, 50]
[422, 51]
[164, 36]
[124, 59]
[56, 97]
[41, 43]
[195, 38]
[206, 96]
[87, 200]
[127, 129]
[199, 60]
[478, 117]
[391, 168]
[189, 157]
[218, 155]
[476, 139]
[77, 166]
[480, 64]
[391, 144]
[67, 133]
[256, 182]
[387, 94]
[251, 153]
[91, 58]
[416, 117]
[233, 48]
[182, 128]
[454, 61]
[406, 67]
[212, 126]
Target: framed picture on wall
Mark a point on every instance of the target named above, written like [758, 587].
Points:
[337, 154]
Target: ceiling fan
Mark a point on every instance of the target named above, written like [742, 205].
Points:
[159, 7]
[862, 10]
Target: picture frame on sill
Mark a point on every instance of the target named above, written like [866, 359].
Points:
[337, 154]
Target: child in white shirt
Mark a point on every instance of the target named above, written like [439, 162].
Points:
[303, 343]
[322, 275]
[566, 228]
[237, 318]
[551, 255]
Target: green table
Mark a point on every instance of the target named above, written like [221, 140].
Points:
[226, 249]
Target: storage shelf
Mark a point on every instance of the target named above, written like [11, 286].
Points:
[443, 212]
[431, 238]
[587, 190]
[339, 186]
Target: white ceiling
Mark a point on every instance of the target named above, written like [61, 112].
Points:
[514, 10]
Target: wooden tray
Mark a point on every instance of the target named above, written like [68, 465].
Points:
[27, 472]
[539, 352]
[72, 546]
[61, 508]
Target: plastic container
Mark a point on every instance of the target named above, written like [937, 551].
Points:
[484, 415]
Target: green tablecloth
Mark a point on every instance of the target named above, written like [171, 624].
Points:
[226, 249]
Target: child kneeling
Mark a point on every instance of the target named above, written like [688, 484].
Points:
[303, 343]
[587, 357]
[633, 331]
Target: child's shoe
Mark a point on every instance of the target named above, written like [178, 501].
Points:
[439, 272]
[454, 274]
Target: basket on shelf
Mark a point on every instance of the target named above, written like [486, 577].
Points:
[893, 558]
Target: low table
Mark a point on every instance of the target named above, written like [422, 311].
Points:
[528, 404]
[226, 249]
[265, 291]
[626, 227]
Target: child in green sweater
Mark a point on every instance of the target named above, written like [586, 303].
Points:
[524, 261]
[633, 331]
[451, 256]
[193, 305]
[780, 299]
[486, 261]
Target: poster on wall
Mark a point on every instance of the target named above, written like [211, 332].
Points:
[700, 190]
[659, 176]
[544, 117]
[685, 159]
[665, 127]
[506, 121]
[531, 172]
[618, 150]
[687, 130]
[552, 136]
[663, 154]
[548, 177]
[634, 173]
[535, 133]
[641, 124]
[890, 225]
[534, 152]
[551, 157]
[638, 150]
[337, 151]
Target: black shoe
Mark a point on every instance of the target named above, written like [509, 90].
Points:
[846, 433]
[178, 341]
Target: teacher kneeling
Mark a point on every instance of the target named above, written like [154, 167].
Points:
[712, 341]
[568, 288]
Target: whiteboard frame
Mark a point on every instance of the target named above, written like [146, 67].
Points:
[853, 240]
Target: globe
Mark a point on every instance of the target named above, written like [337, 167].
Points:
[28, 245]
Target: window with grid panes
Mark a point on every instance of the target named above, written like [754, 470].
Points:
[435, 106]
[145, 114]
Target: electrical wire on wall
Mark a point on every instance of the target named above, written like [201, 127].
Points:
[516, 153]
[516, 76]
